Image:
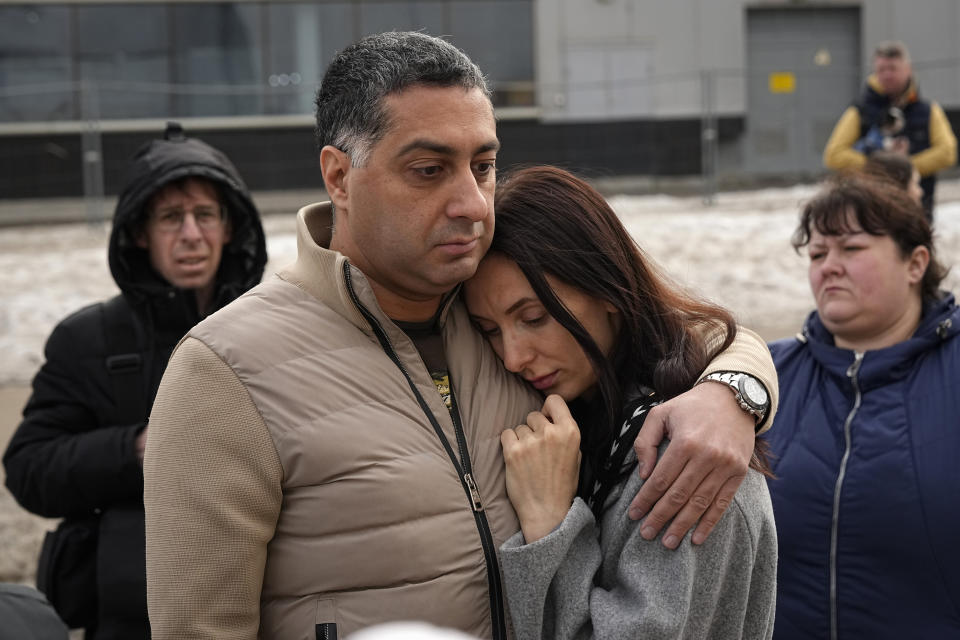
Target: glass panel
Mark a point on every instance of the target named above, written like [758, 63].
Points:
[377, 17]
[124, 50]
[497, 35]
[234, 58]
[216, 45]
[35, 81]
[303, 38]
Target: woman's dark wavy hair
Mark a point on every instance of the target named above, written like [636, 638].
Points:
[880, 208]
[549, 221]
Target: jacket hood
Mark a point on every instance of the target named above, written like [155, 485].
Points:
[939, 323]
[158, 163]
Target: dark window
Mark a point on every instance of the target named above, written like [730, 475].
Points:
[156, 60]
[216, 53]
[124, 51]
[377, 17]
[303, 38]
[35, 77]
[497, 35]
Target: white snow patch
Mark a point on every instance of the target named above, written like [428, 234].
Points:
[736, 252]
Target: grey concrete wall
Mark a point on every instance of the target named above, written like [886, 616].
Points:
[673, 41]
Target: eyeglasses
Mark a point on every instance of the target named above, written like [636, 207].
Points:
[171, 220]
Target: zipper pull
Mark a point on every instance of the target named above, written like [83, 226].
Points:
[474, 492]
[854, 368]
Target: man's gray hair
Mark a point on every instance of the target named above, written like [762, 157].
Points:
[350, 112]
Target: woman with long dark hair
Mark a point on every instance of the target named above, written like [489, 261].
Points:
[570, 302]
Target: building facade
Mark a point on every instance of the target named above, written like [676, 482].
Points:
[607, 87]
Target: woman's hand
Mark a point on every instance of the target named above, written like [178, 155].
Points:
[543, 465]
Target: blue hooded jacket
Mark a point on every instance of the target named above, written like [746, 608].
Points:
[867, 462]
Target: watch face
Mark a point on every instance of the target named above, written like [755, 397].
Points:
[754, 392]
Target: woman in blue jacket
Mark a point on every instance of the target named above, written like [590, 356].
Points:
[867, 441]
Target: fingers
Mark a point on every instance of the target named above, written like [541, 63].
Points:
[716, 510]
[646, 446]
[702, 490]
[555, 421]
[512, 442]
[536, 421]
[510, 437]
[673, 492]
[555, 408]
[541, 436]
[701, 499]
[664, 472]
[701, 468]
[660, 481]
[523, 431]
[556, 439]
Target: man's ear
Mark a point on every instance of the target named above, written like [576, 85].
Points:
[334, 167]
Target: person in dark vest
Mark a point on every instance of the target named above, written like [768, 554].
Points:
[865, 444]
[186, 240]
[926, 137]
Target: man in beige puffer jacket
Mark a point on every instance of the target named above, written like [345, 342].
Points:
[324, 453]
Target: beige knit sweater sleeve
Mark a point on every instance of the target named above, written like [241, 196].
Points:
[748, 353]
[212, 493]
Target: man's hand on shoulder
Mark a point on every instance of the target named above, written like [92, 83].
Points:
[711, 444]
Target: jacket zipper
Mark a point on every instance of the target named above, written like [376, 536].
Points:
[326, 631]
[465, 472]
[852, 372]
[486, 537]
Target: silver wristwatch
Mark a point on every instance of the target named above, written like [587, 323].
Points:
[750, 393]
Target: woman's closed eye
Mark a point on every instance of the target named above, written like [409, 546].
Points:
[535, 321]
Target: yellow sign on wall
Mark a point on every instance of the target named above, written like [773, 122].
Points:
[782, 82]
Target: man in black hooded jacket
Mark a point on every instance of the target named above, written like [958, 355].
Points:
[186, 241]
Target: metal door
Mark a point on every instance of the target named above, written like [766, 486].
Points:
[803, 70]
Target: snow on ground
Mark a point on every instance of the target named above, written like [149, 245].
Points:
[52, 270]
[736, 252]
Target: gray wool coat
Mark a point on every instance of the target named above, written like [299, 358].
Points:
[582, 581]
